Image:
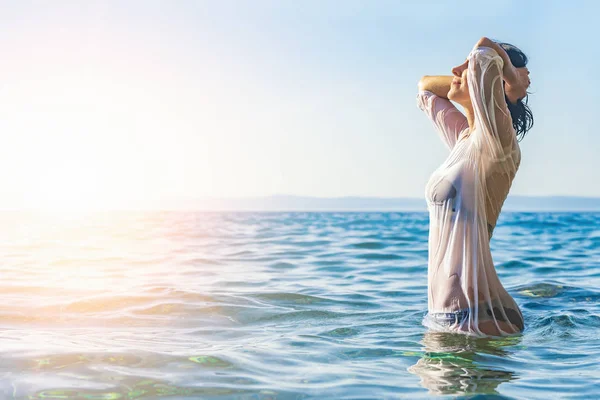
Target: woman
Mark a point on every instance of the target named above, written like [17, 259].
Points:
[465, 194]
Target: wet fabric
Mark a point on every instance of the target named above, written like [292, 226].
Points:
[452, 319]
[464, 198]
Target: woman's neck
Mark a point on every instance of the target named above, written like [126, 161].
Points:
[470, 118]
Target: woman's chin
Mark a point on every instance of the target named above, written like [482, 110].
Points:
[459, 98]
[452, 95]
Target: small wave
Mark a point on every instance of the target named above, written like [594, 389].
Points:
[295, 298]
[368, 245]
[303, 316]
[341, 332]
[282, 265]
[379, 256]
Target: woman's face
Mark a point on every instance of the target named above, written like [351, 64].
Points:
[459, 88]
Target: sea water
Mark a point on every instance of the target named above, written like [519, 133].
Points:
[149, 305]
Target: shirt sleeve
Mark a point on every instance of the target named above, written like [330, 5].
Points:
[494, 135]
[447, 119]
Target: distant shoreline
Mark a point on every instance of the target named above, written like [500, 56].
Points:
[289, 203]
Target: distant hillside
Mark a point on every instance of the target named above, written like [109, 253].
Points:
[302, 203]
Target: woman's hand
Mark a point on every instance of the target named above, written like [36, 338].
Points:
[516, 79]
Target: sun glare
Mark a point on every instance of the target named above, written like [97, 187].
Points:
[91, 146]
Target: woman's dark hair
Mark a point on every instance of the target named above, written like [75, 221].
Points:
[520, 112]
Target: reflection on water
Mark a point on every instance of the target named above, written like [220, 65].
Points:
[456, 364]
[150, 389]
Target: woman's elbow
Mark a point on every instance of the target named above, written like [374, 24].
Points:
[422, 85]
[484, 42]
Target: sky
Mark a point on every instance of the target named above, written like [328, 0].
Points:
[131, 103]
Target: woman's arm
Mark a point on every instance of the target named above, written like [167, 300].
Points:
[488, 71]
[432, 99]
[509, 72]
[438, 85]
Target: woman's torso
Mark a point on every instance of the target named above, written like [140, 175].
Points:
[464, 196]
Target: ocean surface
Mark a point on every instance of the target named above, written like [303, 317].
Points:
[283, 306]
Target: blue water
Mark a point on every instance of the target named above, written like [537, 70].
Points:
[283, 306]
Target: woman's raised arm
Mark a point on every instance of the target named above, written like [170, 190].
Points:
[438, 85]
[433, 100]
[509, 72]
[488, 70]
